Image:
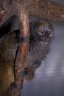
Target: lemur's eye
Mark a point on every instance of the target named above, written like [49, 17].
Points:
[43, 29]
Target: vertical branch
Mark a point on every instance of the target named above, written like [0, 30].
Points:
[22, 52]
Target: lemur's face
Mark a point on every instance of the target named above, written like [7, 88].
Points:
[41, 35]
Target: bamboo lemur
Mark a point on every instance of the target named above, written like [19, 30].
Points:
[41, 35]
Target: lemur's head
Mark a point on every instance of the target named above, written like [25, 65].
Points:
[41, 35]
